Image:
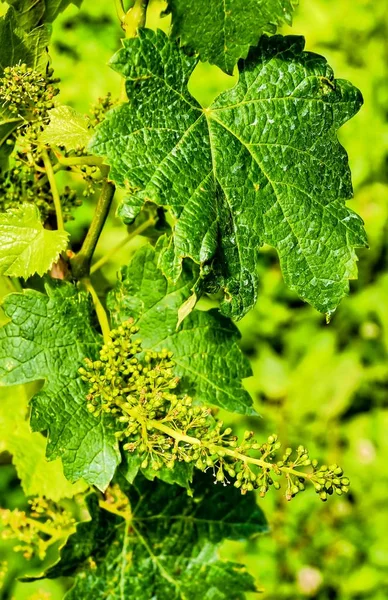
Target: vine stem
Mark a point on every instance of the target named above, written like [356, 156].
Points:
[104, 259]
[100, 310]
[53, 533]
[54, 189]
[111, 508]
[80, 264]
[134, 18]
[120, 9]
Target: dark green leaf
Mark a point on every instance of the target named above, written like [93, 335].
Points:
[33, 13]
[205, 348]
[262, 164]
[8, 124]
[166, 549]
[18, 46]
[181, 473]
[222, 31]
[47, 339]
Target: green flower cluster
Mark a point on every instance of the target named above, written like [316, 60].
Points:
[34, 532]
[163, 426]
[27, 93]
[99, 109]
[27, 182]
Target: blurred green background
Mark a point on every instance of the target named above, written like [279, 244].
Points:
[325, 386]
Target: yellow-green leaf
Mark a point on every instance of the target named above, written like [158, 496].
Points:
[67, 128]
[26, 247]
[37, 475]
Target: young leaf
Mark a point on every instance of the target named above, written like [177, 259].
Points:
[206, 354]
[67, 128]
[28, 449]
[262, 164]
[26, 247]
[47, 339]
[167, 542]
[222, 31]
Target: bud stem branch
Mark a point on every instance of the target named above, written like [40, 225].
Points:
[70, 161]
[180, 437]
[104, 259]
[100, 310]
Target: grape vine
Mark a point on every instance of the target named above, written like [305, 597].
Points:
[132, 426]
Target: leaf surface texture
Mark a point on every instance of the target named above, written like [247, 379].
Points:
[47, 338]
[263, 164]
[168, 542]
[222, 31]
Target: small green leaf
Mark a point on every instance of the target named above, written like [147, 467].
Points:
[222, 31]
[205, 347]
[169, 541]
[47, 338]
[26, 247]
[263, 164]
[28, 449]
[66, 128]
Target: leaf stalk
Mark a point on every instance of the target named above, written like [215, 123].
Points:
[54, 188]
[104, 259]
[100, 310]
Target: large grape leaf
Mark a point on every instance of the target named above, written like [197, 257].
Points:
[165, 549]
[206, 353]
[222, 31]
[26, 247]
[19, 46]
[262, 164]
[47, 338]
[28, 449]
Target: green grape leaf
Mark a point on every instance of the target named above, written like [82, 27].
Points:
[262, 164]
[28, 449]
[66, 128]
[206, 353]
[32, 14]
[181, 473]
[166, 542]
[18, 46]
[222, 31]
[47, 339]
[26, 247]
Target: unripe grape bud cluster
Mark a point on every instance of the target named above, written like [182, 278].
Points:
[162, 426]
[34, 531]
[27, 93]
